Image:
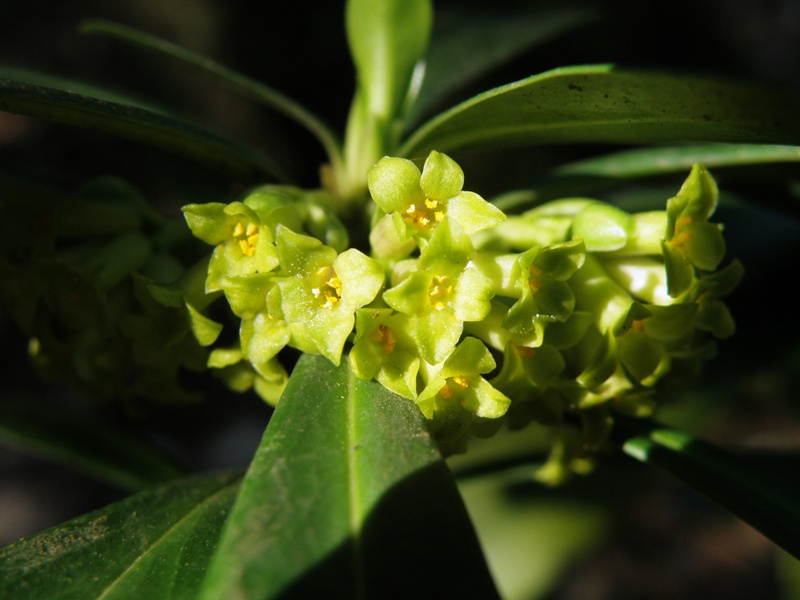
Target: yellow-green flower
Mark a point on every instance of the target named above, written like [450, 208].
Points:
[321, 290]
[420, 201]
[443, 290]
[244, 245]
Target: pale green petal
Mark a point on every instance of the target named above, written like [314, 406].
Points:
[669, 323]
[442, 178]
[680, 274]
[224, 357]
[639, 354]
[411, 295]
[484, 401]
[471, 295]
[208, 222]
[301, 254]
[394, 184]
[248, 295]
[471, 357]
[472, 213]
[262, 337]
[706, 247]
[362, 277]
[602, 227]
[436, 334]
[205, 330]
[386, 240]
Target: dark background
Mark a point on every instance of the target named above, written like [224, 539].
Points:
[667, 542]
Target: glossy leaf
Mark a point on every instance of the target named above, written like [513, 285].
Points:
[347, 497]
[469, 45]
[760, 490]
[609, 169]
[643, 162]
[136, 122]
[599, 104]
[152, 545]
[85, 444]
[240, 83]
[387, 38]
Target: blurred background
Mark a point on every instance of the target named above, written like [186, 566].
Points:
[625, 531]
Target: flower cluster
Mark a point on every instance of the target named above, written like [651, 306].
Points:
[563, 315]
[284, 284]
[92, 279]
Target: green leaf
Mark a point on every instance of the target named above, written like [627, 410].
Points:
[152, 545]
[645, 162]
[760, 490]
[84, 443]
[587, 104]
[387, 38]
[611, 168]
[469, 45]
[136, 122]
[347, 497]
[249, 88]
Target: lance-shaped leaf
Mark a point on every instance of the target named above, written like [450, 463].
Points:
[387, 38]
[152, 545]
[759, 490]
[589, 104]
[347, 497]
[609, 169]
[84, 443]
[136, 122]
[469, 45]
[236, 81]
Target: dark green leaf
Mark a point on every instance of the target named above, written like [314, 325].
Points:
[154, 545]
[469, 45]
[236, 81]
[135, 122]
[645, 162]
[762, 491]
[83, 443]
[347, 497]
[591, 104]
[609, 169]
[65, 84]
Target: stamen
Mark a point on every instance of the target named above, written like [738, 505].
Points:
[247, 237]
[439, 291]
[330, 290]
[459, 382]
[385, 337]
[681, 237]
[535, 281]
[421, 216]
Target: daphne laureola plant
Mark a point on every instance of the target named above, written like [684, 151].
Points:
[480, 315]
[587, 306]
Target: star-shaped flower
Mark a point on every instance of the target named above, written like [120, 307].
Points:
[420, 201]
[383, 350]
[444, 290]
[322, 290]
[243, 242]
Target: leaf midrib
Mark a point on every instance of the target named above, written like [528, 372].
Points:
[161, 539]
[355, 501]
